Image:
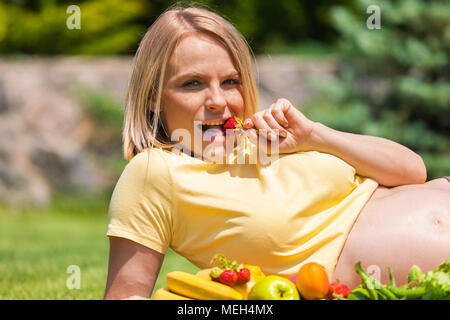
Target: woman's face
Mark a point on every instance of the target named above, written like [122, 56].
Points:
[202, 86]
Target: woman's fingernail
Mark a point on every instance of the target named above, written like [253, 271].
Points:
[247, 122]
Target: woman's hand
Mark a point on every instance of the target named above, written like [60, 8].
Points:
[284, 122]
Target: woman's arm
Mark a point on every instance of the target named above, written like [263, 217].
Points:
[389, 163]
[132, 270]
[385, 161]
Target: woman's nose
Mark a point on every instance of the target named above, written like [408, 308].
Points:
[215, 100]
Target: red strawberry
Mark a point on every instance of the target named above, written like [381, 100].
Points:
[228, 277]
[243, 276]
[338, 289]
[230, 124]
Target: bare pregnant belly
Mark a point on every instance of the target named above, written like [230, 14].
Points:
[439, 184]
[399, 227]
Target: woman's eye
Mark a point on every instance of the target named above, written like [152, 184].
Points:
[191, 83]
[231, 81]
[195, 83]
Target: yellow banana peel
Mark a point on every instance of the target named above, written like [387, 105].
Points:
[195, 287]
[165, 294]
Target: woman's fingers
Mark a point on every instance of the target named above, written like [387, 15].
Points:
[272, 122]
[252, 136]
[275, 128]
[283, 125]
[260, 124]
[266, 124]
[278, 115]
[248, 123]
[259, 140]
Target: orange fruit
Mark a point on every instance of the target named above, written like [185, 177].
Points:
[312, 281]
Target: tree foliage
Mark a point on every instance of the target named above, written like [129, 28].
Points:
[116, 27]
[393, 82]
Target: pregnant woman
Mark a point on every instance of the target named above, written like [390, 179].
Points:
[328, 196]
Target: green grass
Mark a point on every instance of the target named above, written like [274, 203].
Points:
[38, 245]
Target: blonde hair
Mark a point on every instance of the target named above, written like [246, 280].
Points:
[143, 127]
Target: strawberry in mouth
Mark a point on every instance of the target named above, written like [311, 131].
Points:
[231, 123]
[212, 129]
[222, 125]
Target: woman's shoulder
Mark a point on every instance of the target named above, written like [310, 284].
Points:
[143, 158]
[151, 162]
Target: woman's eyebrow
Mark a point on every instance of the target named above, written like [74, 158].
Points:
[233, 74]
[188, 75]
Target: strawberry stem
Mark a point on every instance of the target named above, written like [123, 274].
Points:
[223, 263]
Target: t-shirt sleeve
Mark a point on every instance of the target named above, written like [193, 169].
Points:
[141, 204]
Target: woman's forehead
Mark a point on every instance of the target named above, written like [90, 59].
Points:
[197, 53]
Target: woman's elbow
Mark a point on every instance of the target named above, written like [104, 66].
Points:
[418, 171]
[412, 172]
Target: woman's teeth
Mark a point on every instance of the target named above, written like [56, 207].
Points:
[216, 123]
[214, 127]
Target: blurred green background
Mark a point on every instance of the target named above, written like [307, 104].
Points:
[391, 82]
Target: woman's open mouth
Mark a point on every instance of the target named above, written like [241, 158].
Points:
[212, 129]
[214, 125]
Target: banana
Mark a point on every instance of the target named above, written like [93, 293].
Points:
[204, 273]
[196, 287]
[164, 294]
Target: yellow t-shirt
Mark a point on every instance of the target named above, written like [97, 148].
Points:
[300, 212]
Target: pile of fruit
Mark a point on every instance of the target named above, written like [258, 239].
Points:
[228, 280]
